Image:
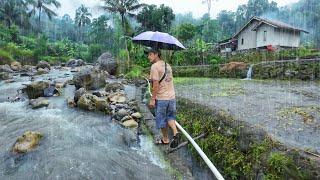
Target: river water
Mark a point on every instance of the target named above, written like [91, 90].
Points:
[76, 145]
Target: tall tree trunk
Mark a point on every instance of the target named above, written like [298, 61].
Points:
[39, 21]
[125, 39]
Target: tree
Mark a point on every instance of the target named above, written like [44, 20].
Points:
[43, 6]
[123, 8]
[101, 31]
[156, 19]
[13, 11]
[186, 32]
[241, 16]
[260, 7]
[226, 21]
[82, 19]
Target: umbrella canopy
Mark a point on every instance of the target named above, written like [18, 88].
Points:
[158, 40]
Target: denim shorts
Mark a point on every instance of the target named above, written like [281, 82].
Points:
[165, 111]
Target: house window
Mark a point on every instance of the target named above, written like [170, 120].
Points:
[264, 35]
[242, 41]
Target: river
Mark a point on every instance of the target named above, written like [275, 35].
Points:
[76, 145]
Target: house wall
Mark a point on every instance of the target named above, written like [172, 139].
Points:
[287, 38]
[271, 36]
[248, 36]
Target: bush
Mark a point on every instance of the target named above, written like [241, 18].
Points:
[5, 57]
[94, 51]
[135, 72]
[19, 53]
[54, 60]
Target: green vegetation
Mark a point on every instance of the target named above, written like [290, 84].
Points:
[225, 145]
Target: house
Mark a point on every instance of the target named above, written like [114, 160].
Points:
[260, 33]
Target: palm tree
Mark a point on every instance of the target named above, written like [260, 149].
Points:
[13, 11]
[124, 8]
[43, 6]
[82, 18]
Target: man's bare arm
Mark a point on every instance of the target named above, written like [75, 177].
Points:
[155, 89]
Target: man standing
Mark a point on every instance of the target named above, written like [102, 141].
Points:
[163, 98]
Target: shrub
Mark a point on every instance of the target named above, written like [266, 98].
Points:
[5, 57]
[135, 72]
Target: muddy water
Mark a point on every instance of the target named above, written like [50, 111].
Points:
[76, 144]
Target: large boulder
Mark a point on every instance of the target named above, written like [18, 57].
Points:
[16, 66]
[28, 68]
[107, 62]
[27, 142]
[114, 87]
[90, 78]
[43, 65]
[75, 63]
[39, 103]
[36, 89]
[5, 68]
[41, 71]
[91, 102]
[87, 102]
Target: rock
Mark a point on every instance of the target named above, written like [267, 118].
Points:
[16, 66]
[101, 104]
[75, 63]
[117, 97]
[78, 94]
[41, 71]
[107, 62]
[90, 78]
[125, 81]
[5, 76]
[91, 102]
[6, 68]
[38, 103]
[87, 102]
[36, 89]
[28, 68]
[122, 113]
[136, 115]
[130, 123]
[71, 102]
[51, 91]
[60, 83]
[9, 81]
[43, 65]
[100, 93]
[126, 118]
[114, 87]
[27, 142]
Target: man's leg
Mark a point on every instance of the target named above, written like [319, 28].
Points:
[165, 137]
[172, 125]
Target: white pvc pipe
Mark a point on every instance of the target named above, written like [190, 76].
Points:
[201, 153]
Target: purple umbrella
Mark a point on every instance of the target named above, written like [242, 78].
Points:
[158, 40]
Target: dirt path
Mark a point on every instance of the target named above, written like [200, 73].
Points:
[288, 111]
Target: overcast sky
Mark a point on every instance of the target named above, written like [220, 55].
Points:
[178, 6]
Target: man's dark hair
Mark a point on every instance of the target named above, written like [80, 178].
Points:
[153, 50]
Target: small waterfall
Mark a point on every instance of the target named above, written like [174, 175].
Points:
[249, 73]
